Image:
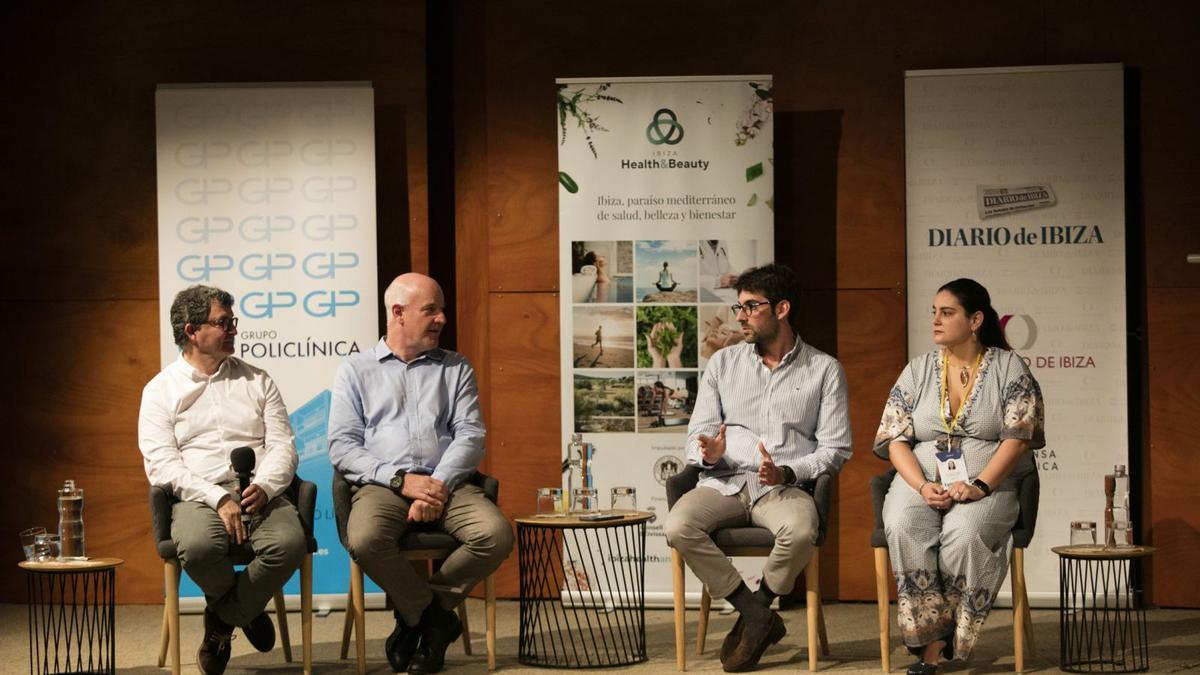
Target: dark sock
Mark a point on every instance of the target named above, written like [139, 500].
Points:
[764, 594]
[743, 601]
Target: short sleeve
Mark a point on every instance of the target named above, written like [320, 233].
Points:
[897, 421]
[1024, 409]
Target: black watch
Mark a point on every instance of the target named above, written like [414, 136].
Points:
[789, 475]
[397, 481]
[987, 490]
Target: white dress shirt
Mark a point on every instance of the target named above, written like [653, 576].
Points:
[799, 411]
[190, 422]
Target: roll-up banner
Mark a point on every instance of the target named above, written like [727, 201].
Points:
[666, 192]
[268, 191]
[1016, 178]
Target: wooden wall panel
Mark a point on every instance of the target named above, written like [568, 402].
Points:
[1174, 383]
[78, 251]
[523, 436]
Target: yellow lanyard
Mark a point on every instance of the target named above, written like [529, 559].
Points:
[946, 391]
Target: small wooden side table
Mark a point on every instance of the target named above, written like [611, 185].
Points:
[72, 615]
[1102, 620]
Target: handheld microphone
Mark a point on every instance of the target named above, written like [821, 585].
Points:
[241, 460]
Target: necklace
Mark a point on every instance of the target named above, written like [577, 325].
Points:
[943, 399]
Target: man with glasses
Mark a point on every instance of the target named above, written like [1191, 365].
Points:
[406, 429]
[194, 414]
[771, 415]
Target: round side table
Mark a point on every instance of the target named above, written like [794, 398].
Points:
[72, 615]
[1102, 621]
[582, 590]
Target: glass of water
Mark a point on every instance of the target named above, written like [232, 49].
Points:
[549, 501]
[1083, 533]
[624, 499]
[29, 542]
[584, 500]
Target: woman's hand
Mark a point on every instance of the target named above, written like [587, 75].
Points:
[935, 495]
[965, 492]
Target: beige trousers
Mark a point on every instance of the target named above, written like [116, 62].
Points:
[788, 512]
[378, 518]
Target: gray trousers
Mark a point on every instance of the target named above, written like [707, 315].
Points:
[378, 518]
[276, 537]
[788, 512]
[949, 565]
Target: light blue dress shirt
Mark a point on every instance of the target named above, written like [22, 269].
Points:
[422, 416]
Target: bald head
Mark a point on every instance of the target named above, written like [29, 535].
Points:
[415, 314]
[405, 289]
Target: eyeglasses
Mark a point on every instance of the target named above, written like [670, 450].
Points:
[749, 306]
[227, 324]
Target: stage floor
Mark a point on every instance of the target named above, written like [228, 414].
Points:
[853, 636]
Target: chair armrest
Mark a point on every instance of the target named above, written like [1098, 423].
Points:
[489, 485]
[682, 483]
[1029, 488]
[304, 496]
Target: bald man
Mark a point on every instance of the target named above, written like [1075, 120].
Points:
[405, 429]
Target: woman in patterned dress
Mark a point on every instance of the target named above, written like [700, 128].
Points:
[949, 545]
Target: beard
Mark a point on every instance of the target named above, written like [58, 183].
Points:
[764, 333]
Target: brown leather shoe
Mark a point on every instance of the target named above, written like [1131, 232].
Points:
[758, 633]
[732, 639]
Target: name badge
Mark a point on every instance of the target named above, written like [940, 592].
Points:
[952, 468]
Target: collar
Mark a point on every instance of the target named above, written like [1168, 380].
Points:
[382, 353]
[198, 375]
[787, 358]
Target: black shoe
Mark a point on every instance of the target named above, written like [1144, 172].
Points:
[439, 628]
[213, 655]
[922, 668]
[401, 645]
[759, 633]
[732, 639]
[261, 633]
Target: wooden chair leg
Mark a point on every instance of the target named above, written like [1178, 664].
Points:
[881, 596]
[306, 624]
[348, 624]
[281, 617]
[821, 634]
[1020, 607]
[702, 629]
[677, 585]
[489, 604]
[466, 624]
[812, 582]
[360, 616]
[171, 572]
[166, 635]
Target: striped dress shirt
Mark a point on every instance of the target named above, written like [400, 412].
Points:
[799, 411]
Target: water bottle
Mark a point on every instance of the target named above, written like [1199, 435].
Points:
[1122, 520]
[573, 468]
[70, 522]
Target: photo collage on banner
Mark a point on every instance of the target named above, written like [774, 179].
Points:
[666, 195]
[268, 192]
[1016, 179]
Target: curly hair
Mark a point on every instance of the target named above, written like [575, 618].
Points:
[192, 305]
[777, 282]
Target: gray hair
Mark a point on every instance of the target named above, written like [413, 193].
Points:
[192, 305]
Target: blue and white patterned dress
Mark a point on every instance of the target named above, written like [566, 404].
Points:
[950, 564]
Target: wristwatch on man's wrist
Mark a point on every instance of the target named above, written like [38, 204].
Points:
[987, 490]
[397, 481]
[789, 475]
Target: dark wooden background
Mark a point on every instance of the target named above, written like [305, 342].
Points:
[466, 161]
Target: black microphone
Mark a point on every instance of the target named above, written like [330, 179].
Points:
[242, 461]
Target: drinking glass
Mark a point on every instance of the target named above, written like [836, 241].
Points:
[47, 547]
[1083, 533]
[549, 501]
[584, 500]
[29, 542]
[624, 499]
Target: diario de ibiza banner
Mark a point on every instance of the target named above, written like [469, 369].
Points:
[1016, 178]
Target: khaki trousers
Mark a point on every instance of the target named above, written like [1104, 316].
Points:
[378, 518]
[788, 512]
[276, 537]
